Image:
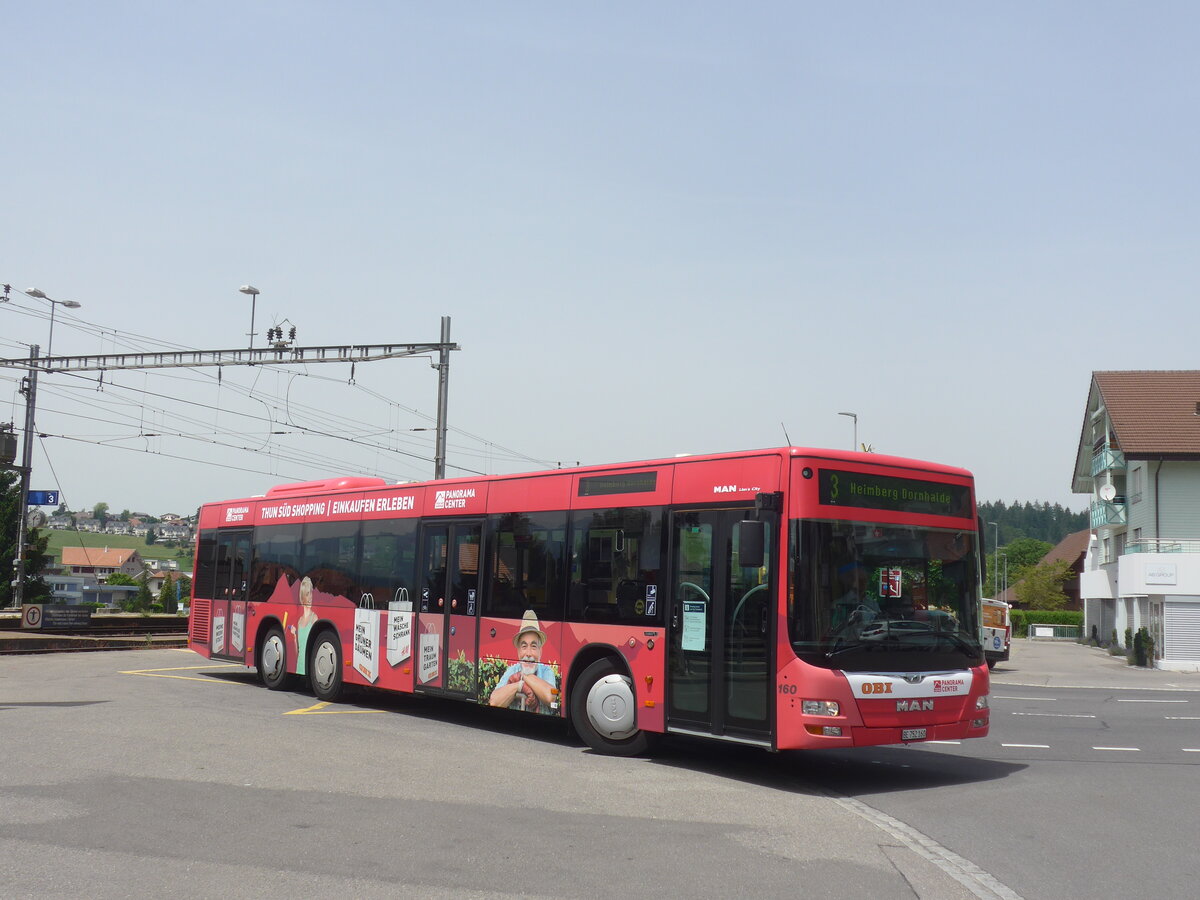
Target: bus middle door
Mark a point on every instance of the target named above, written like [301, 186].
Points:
[448, 606]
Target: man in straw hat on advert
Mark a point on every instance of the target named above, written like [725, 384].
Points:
[529, 683]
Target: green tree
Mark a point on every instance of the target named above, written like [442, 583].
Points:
[166, 595]
[185, 588]
[1023, 554]
[124, 516]
[151, 537]
[1042, 586]
[36, 557]
[120, 578]
[143, 599]
[100, 511]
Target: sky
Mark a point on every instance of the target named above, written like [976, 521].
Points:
[657, 228]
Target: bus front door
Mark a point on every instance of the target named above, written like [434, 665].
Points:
[448, 607]
[720, 651]
[230, 591]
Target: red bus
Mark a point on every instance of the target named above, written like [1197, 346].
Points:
[783, 598]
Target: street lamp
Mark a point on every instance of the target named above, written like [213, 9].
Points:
[69, 304]
[253, 292]
[854, 416]
[996, 551]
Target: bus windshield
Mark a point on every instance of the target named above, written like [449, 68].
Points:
[870, 597]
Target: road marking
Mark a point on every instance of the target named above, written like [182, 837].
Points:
[318, 709]
[1121, 749]
[1152, 701]
[944, 742]
[968, 874]
[1057, 715]
[157, 673]
[1028, 746]
[1191, 749]
[1000, 697]
[1182, 718]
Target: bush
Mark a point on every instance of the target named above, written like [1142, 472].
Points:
[1023, 618]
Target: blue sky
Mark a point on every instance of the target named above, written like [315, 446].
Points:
[658, 228]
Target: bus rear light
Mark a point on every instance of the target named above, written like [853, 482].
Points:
[981, 702]
[978, 723]
[820, 708]
[824, 730]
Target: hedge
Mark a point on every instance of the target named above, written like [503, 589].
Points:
[1023, 618]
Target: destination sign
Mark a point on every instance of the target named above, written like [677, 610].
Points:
[933, 498]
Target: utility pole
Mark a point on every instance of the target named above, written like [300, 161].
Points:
[443, 367]
[29, 389]
[267, 356]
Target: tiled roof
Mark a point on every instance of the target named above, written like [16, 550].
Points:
[93, 556]
[1153, 413]
[1071, 548]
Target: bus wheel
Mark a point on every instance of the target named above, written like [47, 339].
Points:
[604, 711]
[325, 667]
[272, 660]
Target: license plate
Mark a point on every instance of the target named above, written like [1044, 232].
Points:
[913, 734]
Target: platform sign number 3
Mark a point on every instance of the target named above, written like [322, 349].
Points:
[889, 582]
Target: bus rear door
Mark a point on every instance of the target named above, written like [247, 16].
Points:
[447, 614]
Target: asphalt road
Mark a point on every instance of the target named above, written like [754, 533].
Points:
[138, 773]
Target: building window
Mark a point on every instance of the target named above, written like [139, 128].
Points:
[1135, 487]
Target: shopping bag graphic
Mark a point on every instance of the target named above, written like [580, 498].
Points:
[366, 639]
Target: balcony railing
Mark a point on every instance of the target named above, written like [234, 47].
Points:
[1163, 545]
[1107, 458]
[1104, 512]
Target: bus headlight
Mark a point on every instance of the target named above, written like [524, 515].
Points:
[981, 702]
[820, 708]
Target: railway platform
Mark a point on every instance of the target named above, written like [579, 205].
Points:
[116, 631]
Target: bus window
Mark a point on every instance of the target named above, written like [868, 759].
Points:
[206, 565]
[330, 554]
[616, 558]
[389, 560]
[276, 558]
[528, 551]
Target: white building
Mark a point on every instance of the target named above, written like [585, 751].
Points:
[1139, 458]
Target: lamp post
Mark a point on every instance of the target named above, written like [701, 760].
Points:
[69, 304]
[996, 551]
[253, 292]
[853, 416]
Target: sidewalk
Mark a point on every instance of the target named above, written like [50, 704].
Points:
[1068, 664]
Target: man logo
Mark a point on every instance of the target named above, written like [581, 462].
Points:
[914, 706]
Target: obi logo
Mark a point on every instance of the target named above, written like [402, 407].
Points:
[877, 687]
[914, 706]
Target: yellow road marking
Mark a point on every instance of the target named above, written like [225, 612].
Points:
[319, 709]
[157, 673]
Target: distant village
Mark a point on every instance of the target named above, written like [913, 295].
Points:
[85, 574]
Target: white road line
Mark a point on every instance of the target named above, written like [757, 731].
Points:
[999, 697]
[980, 883]
[1056, 715]
[1123, 749]
[1152, 701]
[1182, 718]
[1191, 749]
[944, 742]
[1028, 746]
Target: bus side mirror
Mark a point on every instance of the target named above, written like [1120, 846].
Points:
[752, 543]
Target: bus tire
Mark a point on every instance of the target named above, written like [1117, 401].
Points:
[325, 666]
[604, 711]
[272, 660]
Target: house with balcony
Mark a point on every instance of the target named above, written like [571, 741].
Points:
[1139, 460]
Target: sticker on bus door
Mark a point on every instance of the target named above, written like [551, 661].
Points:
[695, 624]
[218, 634]
[237, 616]
[366, 643]
[431, 645]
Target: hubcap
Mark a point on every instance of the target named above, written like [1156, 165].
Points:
[272, 657]
[324, 665]
[610, 707]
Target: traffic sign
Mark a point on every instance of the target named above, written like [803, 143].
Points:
[43, 498]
